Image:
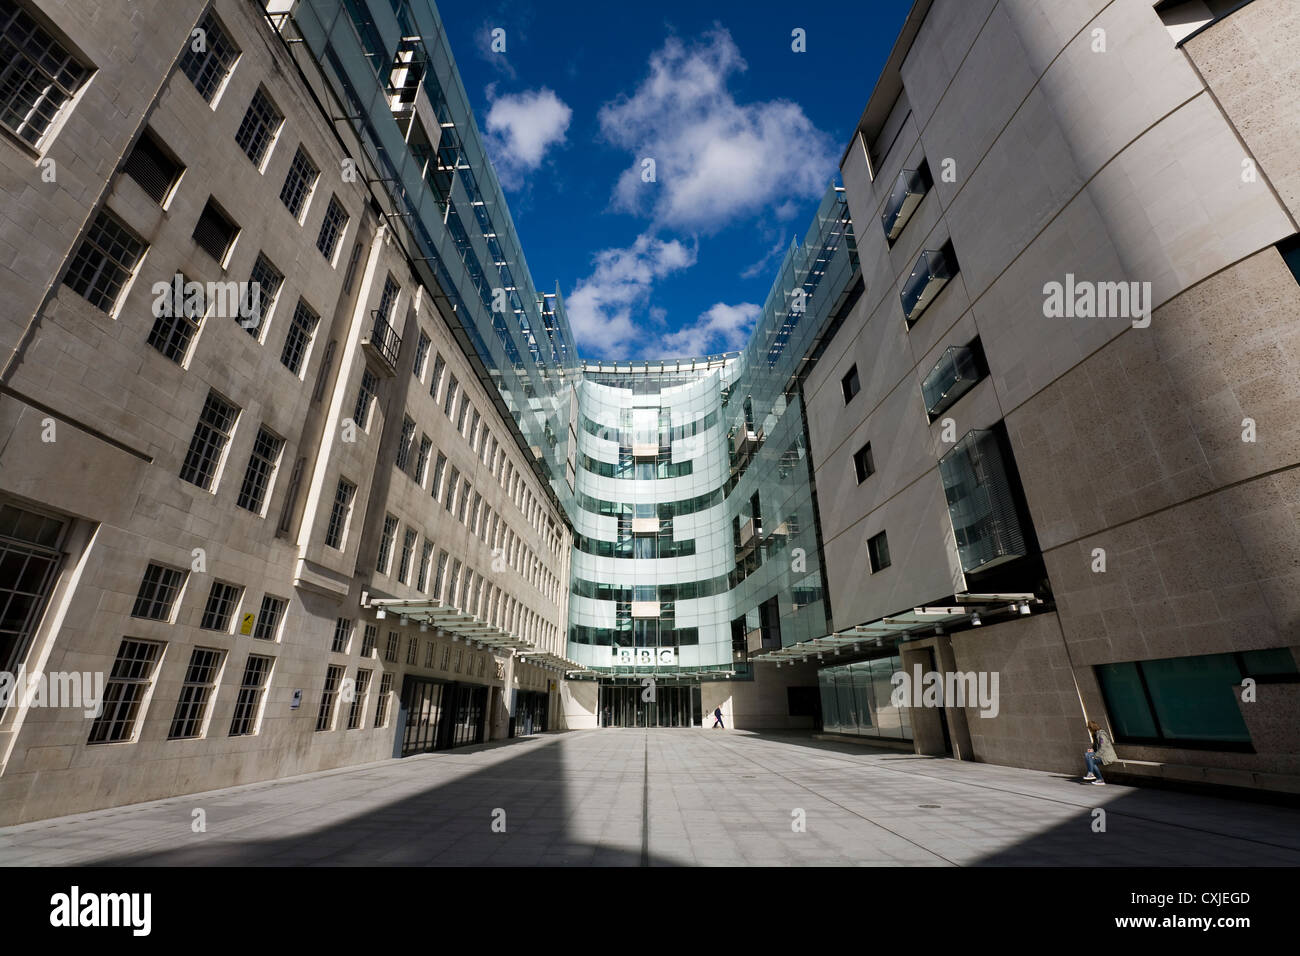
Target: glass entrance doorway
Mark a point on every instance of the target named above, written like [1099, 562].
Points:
[674, 705]
[422, 703]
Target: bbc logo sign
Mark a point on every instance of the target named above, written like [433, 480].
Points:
[645, 656]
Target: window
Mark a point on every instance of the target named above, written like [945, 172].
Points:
[174, 329]
[104, 262]
[325, 716]
[390, 651]
[261, 122]
[298, 341]
[343, 628]
[422, 459]
[265, 280]
[460, 416]
[453, 583]
[878, 551]
[453, 387]
[473, 430]
[412, 651]
[350, 274]
[269, 617]
[368, 639]
[39, 75]
[159, 589]
[386, 537]
[360, 693]
[335, 222]
[909, 189]
[982, 500]
[128, 685]
[421, 356]
[152, 167]
[29, 562]
[955, 374]
[439, 575]
[262, 464]
[426, 557]
[388, 298]
[215, 231]
[435, 487]
[1290, 250]
[196, 692]
[863, 465]
[404, 443]
[435, 380]
[339, 514]
[220, 609]
[1187, 701]
[933, 270]
[465, 492]
[209, 55]
[365, 397]
[385, 692]
[252, 688]
[428, 654]
[408, 549]
[298, 184]
[850, 385]
[208, 446]
[452, 483]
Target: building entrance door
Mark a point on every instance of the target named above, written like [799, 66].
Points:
[422, 704]
[673, 705]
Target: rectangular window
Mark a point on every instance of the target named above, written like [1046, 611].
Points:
[159, 589]
[128, 685]
[39, 76]
[340, 512]
[465, 492]
[209, 66]
[428, 654]
[298, 341]
[850, 385]
[452, 482]
[196, 693]
[408, 550]
[266, 279]
[299, 183]
[208, 446]
[390, 651]
[152, 167]
[332, 228]
[404, 443]
[386, 538]
[435, 380]
[863, 464]
[388, 298]
[360, 693]
[435, 487]
[260, 125]
[329, 694]
[174, 329]
[453, 585]
[412, 651]
[878, 551]
[368, 640]
[29, 562]
[460, 416]
[252, 690]
[426, 558]
[422, 459]
[104, 262]
[439, 575]
[215, 231]
[365, 398]
[220, 609]
[453, 388]
[385, 692]
[269, 618]
[343, 628]
[421, 356]
[262, 464]
[473, 430]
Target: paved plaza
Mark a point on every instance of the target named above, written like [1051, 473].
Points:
[670, 797]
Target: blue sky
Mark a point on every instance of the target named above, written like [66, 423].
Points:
[745, 134]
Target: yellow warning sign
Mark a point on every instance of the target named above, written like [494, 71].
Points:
[246, 625]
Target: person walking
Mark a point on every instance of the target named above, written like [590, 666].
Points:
[717, 718]
[1101, 753]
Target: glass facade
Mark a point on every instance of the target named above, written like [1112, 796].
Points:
[856, 699]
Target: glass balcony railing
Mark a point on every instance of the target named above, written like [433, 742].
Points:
[932, 271]
[980, 502]
[911, 187]
[952, 377]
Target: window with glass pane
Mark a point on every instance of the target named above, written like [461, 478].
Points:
[340, 511]
[365, 397]
[404, 443]
[252, 689]
[298, 183]
[1195, 698]
[104, 262]
[211, 436]
[196, 692]
[386, 538]
[331, 228]
[262, 464]
[329, 695]
[298, 341]
[220, 608]
[38, 75]
[128, 684]
[209, 55]
[266, 279]
[360, 695]
[261, 122]
[369, 639]
[29, 563]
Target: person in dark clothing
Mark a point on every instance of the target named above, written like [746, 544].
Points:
[717, 718]
[1101, 752]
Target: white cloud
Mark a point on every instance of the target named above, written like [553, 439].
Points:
[723, 328]
[600, 307]
[520, 128]
[759, 267]
[715, 159]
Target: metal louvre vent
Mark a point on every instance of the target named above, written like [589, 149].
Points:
[151, 168]
[980, 502]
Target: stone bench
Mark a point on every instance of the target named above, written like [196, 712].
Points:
[1138, 770]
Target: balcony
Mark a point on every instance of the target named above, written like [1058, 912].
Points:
[911, 187]
[953, 376]
[932, 271]
[980, 502]
[383, 342]
[744, 445]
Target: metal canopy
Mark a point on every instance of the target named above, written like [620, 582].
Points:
[966, 609]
